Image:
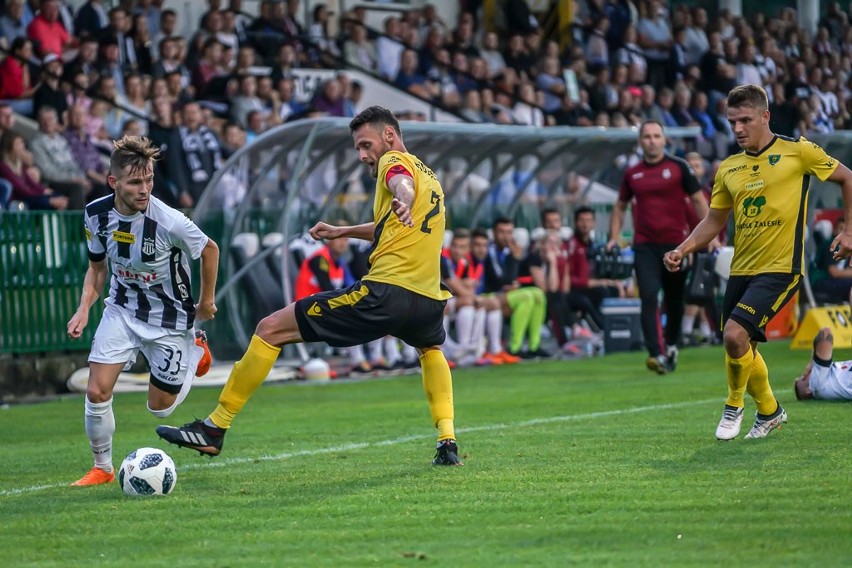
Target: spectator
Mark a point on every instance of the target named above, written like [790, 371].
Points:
[16, 88]
[109, 63]
[141, 38]
[255, 125]
[551, 84]
[49, 93]
[117, 33]
[208, 67]
[783, 114]
[519, 58]
[85, 153]
[84, 62]
[318, 31]
[747, 72]
[409, 79]
[91, 19]
[492, 56]
[292, 27]
[150, 10]
[519, 18]
[631, 54]
[463, 40]
[12, 23]
[167, 29]
[597, 50]
[47, 32]
[197, 157]
[360, 51]
[52, 153]
[133, 102]
[246, 101]
[389, 48]
[329, 99]
[290, 108]
[233, 138]
[170, 61]
[719, 75]
[287, 60]
[526, 110]
[471, 109]
[460, 73]
[14, 170]
[696, 42]
[655, 38]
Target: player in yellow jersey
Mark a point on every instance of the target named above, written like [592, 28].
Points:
[766, 186]
[401, 295]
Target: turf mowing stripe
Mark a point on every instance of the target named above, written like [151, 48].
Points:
[402, 440]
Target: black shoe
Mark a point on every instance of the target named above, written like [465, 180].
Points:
[524, 355]
[198, 436]
[540, 354]
[447, 453]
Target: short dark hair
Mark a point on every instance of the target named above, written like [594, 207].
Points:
[549, 211]
[134, 151]
[461, 233]
[479, 233]
[375, 116]
[748, 96]
[581, 210]
[501, 221]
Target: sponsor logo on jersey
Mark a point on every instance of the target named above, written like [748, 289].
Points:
[130, 274]
[774, 159]
[757, 184]
[315, 310]
[638, 175]
[763, 321]
[148, 246]
[667, 174]
[753, 205]
[737, 169]
[122, 237]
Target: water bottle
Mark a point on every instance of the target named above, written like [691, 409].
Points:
[625, 260]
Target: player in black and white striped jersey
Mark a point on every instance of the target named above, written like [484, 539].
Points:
[149, 307]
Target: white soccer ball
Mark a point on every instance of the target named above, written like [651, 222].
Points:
[147, 471]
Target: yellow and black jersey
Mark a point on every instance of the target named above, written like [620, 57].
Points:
[768, 192]
[409, 257]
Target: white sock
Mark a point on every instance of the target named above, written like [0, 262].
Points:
[705, 329]
[375, 348]
[478, 336]
[494, 325]
[687, 324]
[391, 346]
[100, 426]
[464, 325]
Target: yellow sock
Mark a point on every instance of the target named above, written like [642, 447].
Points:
[758, 386]
[438, 384]
[246, 377]
[738, 371]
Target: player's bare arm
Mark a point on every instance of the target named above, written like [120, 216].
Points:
[206, 307]
[615, 222]
[700, 237]
[402, 188]
[842, 243]
[321, 230]
[93, 283]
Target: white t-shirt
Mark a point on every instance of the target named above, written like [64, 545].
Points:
[833, 382]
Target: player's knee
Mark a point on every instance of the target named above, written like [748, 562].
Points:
[97, 394]
[736, 340]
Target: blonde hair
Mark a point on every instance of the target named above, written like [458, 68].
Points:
[134, 151]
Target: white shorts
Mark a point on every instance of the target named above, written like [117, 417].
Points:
[172, 354]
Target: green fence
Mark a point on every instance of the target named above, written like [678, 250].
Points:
[42, 264]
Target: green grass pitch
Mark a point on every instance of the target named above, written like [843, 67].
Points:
[593, 462]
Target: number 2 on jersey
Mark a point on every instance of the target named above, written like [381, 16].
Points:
[436, 199]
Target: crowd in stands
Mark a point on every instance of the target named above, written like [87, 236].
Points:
[127, 70]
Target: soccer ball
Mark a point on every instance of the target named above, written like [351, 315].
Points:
[147, 471]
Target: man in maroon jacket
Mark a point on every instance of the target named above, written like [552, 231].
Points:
[655, 189]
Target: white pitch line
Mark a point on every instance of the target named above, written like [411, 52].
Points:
[401, 440]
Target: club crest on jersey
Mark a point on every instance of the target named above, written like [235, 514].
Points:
[774, 159]
[122, 237]
[667, 173]
[753, 205]
[148, 246]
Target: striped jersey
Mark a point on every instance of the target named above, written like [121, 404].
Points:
[148, 254]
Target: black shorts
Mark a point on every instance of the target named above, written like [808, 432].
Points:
[369, 310]
[752, 301]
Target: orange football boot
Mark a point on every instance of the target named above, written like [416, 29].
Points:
[96, 476]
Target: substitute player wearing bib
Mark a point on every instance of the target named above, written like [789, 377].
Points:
[401, 295]
[766, 186]
[149, 307]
